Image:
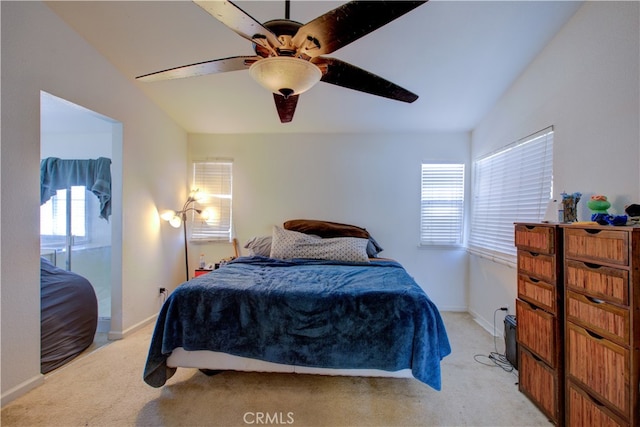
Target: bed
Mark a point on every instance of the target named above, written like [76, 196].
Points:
[333, 310]
[69, 315]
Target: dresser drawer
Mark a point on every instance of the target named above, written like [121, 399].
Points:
[539, 383]
[597, 245]
[606, 283]
[604, 319]
[537, 292]
[602, 366]
[537, 265]
[535, 238]
[537, 331]
[584, 410]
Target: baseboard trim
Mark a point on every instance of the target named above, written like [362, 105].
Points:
[486, 325]
[104, 324]
[458, 309]
[116, 335]
[21, 389]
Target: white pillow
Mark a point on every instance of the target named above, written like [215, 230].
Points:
[287, 244]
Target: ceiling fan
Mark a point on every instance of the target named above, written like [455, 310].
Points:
[289, 59]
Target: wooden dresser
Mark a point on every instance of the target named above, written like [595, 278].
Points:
[602, 276]
[539, 314]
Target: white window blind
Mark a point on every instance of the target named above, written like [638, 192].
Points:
[442, 204]
[514, 184]
[213, 179]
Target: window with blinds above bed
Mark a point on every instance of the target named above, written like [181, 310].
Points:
[213, 179]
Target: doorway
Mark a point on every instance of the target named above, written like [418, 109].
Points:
[73, 234]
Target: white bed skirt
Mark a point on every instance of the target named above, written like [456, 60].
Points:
[203, 359]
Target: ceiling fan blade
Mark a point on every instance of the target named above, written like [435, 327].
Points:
[239, 21]
[344, 24]
[340, 73]
[222, 65]
[286, 106]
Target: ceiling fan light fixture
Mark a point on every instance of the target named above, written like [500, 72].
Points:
[285, 75]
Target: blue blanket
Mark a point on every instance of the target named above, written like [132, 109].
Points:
[307, 313]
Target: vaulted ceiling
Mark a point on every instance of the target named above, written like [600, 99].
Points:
[458, 56]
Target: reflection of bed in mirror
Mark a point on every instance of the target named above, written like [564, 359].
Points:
[69, 315]
[68, 301]
[317, 305]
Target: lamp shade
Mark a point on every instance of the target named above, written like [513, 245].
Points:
[285, 75]
[175, 221]
[167, 215]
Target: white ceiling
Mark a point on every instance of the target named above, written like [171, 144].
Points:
[459, 56]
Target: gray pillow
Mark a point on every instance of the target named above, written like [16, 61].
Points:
[259, 245]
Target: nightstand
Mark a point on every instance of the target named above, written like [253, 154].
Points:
[201, 271]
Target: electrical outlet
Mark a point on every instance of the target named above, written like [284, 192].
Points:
[163, 291]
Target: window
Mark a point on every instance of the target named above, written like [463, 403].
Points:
[53, 217]
[511, 185]
[213, 181]
[442, 204]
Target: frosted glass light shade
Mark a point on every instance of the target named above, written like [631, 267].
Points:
[285, 75]
[167, 215]
[175, 222]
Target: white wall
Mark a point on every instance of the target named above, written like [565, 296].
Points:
[39, 52]
[372, 181]
[76, 146]
[584, 83]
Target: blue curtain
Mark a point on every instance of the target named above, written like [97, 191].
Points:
[95, 174]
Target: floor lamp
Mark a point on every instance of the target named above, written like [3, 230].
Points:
[177, 218]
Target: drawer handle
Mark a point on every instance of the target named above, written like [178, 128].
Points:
[592, 231]
[594, 400]
[530, 227]
[596, 336]
[535, 357]
[594, 300]
[533, 279]
[592, 266]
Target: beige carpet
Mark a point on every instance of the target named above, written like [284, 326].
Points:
[105, 388]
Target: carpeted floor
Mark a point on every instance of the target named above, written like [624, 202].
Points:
[105, 388]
